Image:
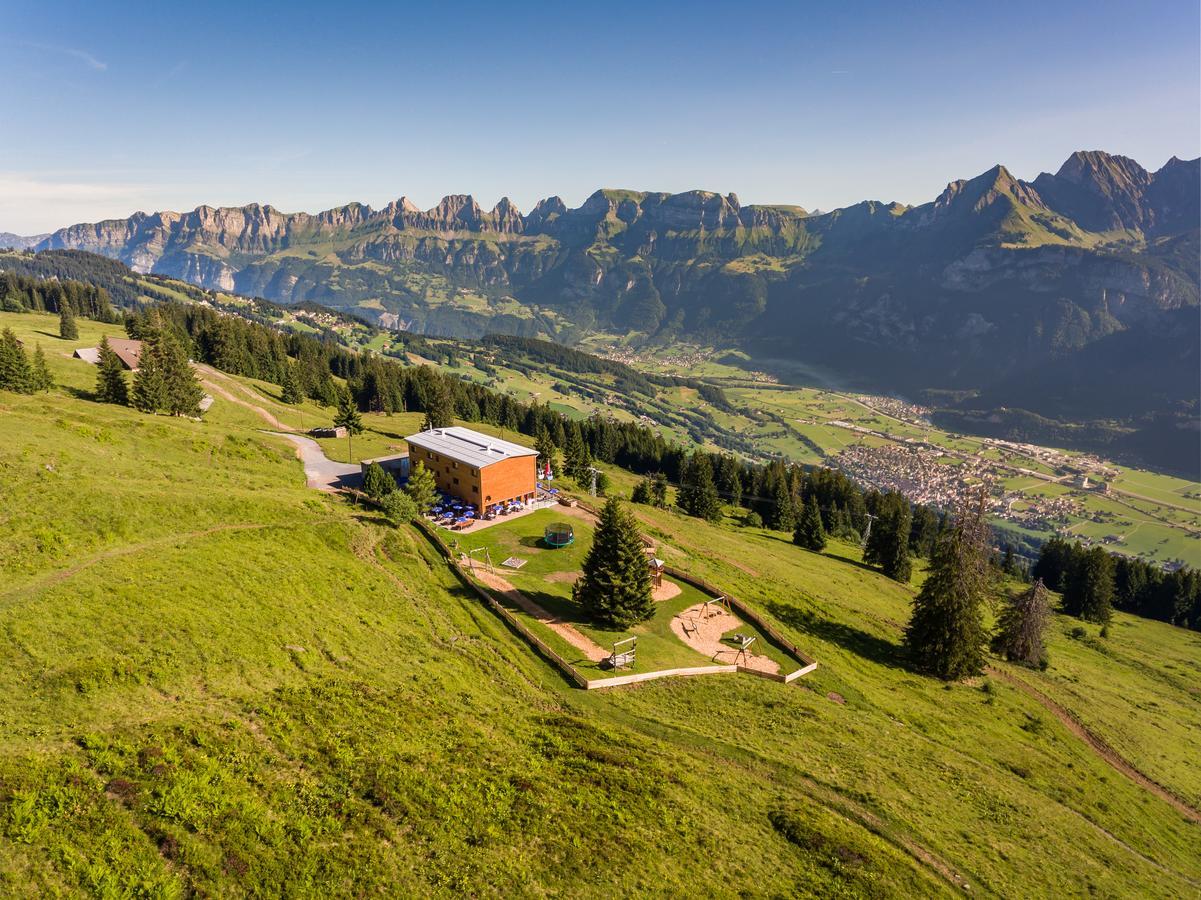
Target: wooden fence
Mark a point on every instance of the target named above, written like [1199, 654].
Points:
[575, 677]
[568, 670]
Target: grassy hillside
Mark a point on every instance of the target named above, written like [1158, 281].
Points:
[219, 682]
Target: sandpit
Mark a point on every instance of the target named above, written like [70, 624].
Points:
[666, 591]
[706, 638]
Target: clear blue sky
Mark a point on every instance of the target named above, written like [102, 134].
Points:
[110, 108]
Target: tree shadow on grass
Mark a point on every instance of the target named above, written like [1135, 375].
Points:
[855, 562]
[80, 393]
[848, 637]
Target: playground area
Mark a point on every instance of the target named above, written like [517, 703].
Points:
[529, 565]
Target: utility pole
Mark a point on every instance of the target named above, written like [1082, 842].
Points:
[595, 471]
[867, 532]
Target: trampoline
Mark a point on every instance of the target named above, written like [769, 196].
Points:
[558, 534]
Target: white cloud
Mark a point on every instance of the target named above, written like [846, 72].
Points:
[91, 61]
[32, 205]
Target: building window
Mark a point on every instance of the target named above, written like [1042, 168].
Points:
[475, 472]
[456, 481]
[454, 465]
[475, 489]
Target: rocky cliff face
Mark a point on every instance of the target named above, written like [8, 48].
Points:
[993, 274]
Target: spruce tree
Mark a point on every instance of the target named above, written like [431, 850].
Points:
[183, 390]
[1089, 587]
[659, 490]
[292, 392]
[946, 636]
[577, 458]
[698, 494]
[783, 510]
[67, 329]
[888, 545]
[809, 531]
[422, 487]
[15, 374]
[149, 381]
[615, 583]
[1020, 627]
[348, 417]
[110, 379]
[439, 407]
[548, 453]
[377, 482]
[39, 373]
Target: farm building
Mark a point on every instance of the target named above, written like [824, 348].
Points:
[397, 466]
[129, 352]
[481, 470]
[328, 431]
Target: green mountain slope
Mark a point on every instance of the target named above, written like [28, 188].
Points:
[220, 682]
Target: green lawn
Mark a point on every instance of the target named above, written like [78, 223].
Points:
[544, 579]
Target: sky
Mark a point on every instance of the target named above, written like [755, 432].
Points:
[110, 108]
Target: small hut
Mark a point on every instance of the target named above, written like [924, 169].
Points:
[558, 534]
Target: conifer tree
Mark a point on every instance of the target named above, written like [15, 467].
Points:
[888, 545]
[292, 392]
[783, 508]
[39, 373]
[548, 453]
[697, 495]
[809, 531]
[615, 583]
[439, 407]
[946, 634]
[67, 329]
[1089, 586]
[110, 379]
[149, 382]
[1021, 625]
[377, 482]
[183, 390]
[348, 417]
[15, 374]
[422, 487]
[577, 458]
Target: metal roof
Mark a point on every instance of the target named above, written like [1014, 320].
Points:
[467, 446]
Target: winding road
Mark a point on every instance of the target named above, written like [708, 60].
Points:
[320, 471]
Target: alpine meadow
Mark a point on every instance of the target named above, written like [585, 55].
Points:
[638, 542]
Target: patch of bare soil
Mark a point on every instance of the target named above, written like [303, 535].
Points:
[703, 633]
[564, 577]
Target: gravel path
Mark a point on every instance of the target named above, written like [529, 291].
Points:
[320, 471]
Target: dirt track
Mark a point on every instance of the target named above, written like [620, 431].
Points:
[1102, 749]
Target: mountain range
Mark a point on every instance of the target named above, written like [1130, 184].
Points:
[995, 286]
